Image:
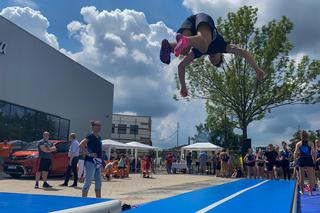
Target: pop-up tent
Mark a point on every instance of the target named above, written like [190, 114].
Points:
[143, 147]
[111, 144]
[200, 147]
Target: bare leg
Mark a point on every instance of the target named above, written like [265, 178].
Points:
[301, 178]
[186, 33]
[311, 176]
[38, 175]
[84, 193]
[44, 176]
[98, 194]
[202, 40]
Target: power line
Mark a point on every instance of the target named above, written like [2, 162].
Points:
[164, 139]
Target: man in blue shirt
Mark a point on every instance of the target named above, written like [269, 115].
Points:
[199, 34]
[73, 161]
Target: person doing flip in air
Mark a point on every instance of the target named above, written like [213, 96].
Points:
[199, 34]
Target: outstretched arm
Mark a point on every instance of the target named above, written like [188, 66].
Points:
[231, 48]
[182, 71]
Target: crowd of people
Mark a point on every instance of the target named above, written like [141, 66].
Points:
[272, 163]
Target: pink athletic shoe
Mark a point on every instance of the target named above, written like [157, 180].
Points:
[182, 44]
[165, 51]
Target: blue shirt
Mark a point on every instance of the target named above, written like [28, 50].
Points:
[218, 45]
[284, 154]
[74, 148]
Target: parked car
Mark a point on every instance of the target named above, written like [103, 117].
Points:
[18, 145]
[25, 162]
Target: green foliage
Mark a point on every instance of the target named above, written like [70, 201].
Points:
[234, 87]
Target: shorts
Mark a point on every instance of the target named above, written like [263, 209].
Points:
[121, 167]
[278, 164]
[260, 164]
[192, 23]
[250, 164]
[44, 165]
[306, 162]
[270, 166]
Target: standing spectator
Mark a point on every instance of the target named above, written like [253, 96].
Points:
[93, 159]
[169, 160]
[5, 151]
[270, 159]
[45, 148]
[285, 164]
[277, 165]
[203, 159]
[73, 155]
[305, 151]
[122, 166]
[250, 161]
[260, 164]
[218, 168]
[224, 158]
[317, 142]
[81, 170]
[189, 162]
[230, 163]
[214, 163]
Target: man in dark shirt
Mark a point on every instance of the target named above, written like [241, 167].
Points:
[93, 159]
[45, 148]
[199, 33]
[270, 158]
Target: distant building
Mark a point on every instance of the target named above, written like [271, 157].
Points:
[127, 128]
[42, 89]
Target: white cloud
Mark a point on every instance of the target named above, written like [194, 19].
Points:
[32, 21]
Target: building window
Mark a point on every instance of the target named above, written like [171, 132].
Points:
[21, 123]
[145, 124]
[134, 129]
[113, 127]
[122, 129]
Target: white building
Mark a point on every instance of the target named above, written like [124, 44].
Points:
[127, 128]
[42, 89]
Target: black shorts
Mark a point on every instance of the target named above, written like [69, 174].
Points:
[44, 165]
[192, 23]
[278, 164]
[306, 162]
[270, 166]
[260, 164]
[250, 164]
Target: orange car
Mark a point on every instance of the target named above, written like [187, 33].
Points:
[25, 162]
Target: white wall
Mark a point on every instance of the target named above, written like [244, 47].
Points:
[35, 75]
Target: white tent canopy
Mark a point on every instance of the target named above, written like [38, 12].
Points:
[202, 147]
[115, 145]
[141, 146]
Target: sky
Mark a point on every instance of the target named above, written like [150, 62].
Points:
[120, 40]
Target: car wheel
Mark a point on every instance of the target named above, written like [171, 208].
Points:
[15, 175]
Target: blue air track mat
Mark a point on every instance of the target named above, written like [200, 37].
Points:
[239, 196]
[310, 204]
[27, 203]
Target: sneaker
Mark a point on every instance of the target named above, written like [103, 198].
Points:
[46, 185]
[165, 51]
[36, 186]
[73, 185]
[63, 184]
[182, 44]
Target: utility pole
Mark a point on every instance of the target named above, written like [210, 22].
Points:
[177, 134]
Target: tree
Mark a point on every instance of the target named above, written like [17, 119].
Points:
[234, 87]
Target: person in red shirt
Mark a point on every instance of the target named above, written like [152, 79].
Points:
[169, 160]
[5, 151]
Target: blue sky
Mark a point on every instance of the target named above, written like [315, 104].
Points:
[62, 12]
[123, 46]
